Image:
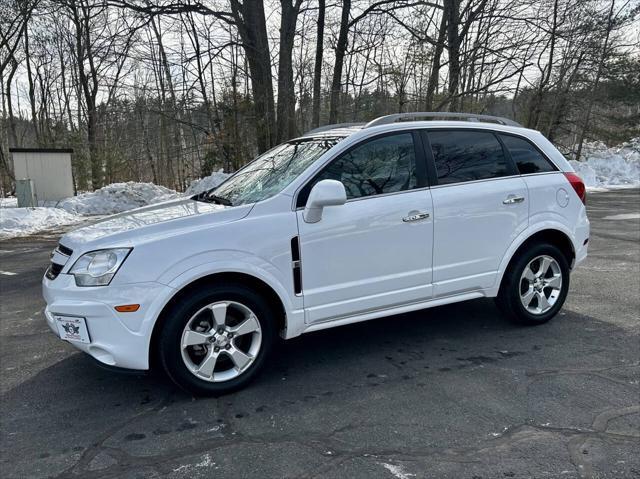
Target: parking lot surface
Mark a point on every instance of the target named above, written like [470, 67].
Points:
[453, 392]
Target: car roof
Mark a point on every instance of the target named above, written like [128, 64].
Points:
[352, 131]
[400, 121]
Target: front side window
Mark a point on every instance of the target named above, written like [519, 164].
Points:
[527, 157]
[270, 173]
[379, 166]
[462, 155]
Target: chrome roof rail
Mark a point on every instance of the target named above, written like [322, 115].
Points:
[440, 115]
[335, 126]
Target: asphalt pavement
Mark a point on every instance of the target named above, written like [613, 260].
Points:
[449, 392]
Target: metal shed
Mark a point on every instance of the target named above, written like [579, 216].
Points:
[48, 168]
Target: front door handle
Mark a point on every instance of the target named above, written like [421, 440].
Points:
[415, 217]
[513, 199]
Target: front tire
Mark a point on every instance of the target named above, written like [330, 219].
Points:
[217, 339]
[535, 285]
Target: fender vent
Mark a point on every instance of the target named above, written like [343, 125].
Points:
[64, 250]
[296, 265]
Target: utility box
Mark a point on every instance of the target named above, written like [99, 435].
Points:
[25, 193]
[48, 168]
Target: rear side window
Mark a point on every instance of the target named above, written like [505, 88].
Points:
[527, 157]
[379, 166]
[462, 155]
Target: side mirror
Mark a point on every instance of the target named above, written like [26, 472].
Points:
[324, 193]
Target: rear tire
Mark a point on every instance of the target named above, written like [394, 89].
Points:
[535, 285]
[217, 339]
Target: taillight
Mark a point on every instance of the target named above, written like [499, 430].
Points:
[578, 186]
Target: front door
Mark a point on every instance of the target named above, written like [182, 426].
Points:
[374, 252]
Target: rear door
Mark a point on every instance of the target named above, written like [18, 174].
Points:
[373, 252]
[480, 205]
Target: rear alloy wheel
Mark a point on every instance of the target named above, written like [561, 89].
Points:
[215, 340]
[540, 284]
[535, 285]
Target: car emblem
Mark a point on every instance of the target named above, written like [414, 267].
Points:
[71, 329]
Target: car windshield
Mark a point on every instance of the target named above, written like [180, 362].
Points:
[270, 173]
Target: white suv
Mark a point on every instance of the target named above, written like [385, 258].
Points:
[341, 225]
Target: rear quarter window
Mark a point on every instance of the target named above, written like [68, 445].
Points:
[526, 156]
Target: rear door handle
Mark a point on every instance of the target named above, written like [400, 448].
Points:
[415, 217]
[513, 199]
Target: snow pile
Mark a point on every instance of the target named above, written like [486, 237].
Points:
[25, 221]
[111, 199]
[116, 198]
[605, 167]
[9, 202]
[206, 183]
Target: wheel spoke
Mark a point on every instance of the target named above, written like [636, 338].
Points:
[249, 325]
[529, 274]
[555, 281]
[239, 358]
[544, 266]
[208, 365]
[219, 311]
[192, 338]
[543, 304]
[528, 297]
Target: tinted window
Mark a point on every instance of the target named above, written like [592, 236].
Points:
[466, 156]
[526, 156]
[383, 165]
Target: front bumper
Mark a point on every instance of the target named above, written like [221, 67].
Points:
[117, 339]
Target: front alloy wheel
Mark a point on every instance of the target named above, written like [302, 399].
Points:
[221, 341]
[215, 339]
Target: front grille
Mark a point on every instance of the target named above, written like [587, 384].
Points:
[54, 270]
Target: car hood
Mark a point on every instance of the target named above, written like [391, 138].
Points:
[143, 224]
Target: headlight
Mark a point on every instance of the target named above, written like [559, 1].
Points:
[97, 268]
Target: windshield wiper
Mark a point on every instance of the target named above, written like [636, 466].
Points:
[211, 198]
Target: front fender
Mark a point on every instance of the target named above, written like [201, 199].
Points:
[235, 261]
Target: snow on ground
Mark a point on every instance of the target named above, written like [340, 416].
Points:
[605, 168]
[26, 221]
[206, 183]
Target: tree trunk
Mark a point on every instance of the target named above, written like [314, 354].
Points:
[535, 105]
[252, 27]
[341, 48]
[317, 69]
[596, 81]
[435, 67]
[32, 96]
[452, 13]
[286, 94]
[13, 135]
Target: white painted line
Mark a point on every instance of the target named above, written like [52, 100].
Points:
[8, 273]
[397, 471]
[623, 216]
